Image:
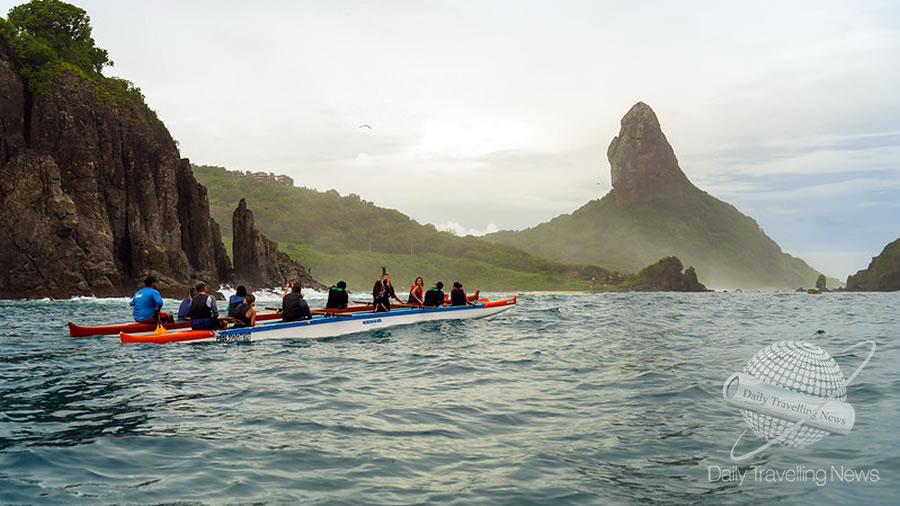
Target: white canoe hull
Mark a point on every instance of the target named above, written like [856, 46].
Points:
[322, 327]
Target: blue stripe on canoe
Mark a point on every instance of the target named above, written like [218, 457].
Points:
[333, 319]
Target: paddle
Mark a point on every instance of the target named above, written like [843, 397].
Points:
[160, 328]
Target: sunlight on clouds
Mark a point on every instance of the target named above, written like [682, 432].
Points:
[488, 136]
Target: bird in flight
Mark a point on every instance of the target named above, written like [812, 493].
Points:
[365, 126]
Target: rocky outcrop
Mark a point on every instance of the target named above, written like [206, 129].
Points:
[664, 276]
[643, 163]
[820, 283]
[96, 196]
[258, 263]
[882, 275]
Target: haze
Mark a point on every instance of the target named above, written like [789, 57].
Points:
[490, 115]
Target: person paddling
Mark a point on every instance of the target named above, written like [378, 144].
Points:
[417, 292]
[458, 296]
[434, 297]
[337, 296]
[245, 313]
[293, 307]
[184, 311]
[236, 299]
[204, 313]
[147, 303]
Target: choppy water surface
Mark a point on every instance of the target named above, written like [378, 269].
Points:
[608, 399]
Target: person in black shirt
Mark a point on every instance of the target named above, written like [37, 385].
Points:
[458, 296]
[244, 313]
[294, 308]
[337, 296]
[434, 297]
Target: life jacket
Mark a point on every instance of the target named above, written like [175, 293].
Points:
[240, 313]
[458, 297]
[233, 301]
[199, 306]
[434, 297]
[413, 289]
[337, 298]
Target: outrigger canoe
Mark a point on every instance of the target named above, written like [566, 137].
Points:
[328, 326]
[76, 330]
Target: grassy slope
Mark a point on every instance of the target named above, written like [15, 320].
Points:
[331, 235]
[727, 248]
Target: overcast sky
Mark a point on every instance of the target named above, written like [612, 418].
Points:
[492, 115]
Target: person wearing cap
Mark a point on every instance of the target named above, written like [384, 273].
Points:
[434, 297]
[458, 296]
[147, 303]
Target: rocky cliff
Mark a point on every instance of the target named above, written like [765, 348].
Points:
[882, 275]
[664, 276]
[258, 263]
[95, 195]
[654, 211]
[642, 162]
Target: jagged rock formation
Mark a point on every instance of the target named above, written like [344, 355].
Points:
[642, 162]
[820, 283]
[654, 211]
[96, 196]
[664, 276]
[257, 261]
[882, 275]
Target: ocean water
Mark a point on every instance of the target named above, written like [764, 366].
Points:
[565, 399]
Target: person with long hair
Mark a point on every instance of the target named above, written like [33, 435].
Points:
[417, 292]
[244, 312]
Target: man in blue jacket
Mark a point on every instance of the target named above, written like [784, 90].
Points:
[147, 304]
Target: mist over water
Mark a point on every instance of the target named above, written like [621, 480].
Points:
[570, 398]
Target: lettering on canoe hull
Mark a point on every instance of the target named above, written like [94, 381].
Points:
[240, 337]
[369, 322]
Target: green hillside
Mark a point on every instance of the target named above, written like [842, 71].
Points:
[728, 248]
[344, 237]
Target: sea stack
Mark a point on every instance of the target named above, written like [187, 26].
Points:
[258, 263]
[642, 162]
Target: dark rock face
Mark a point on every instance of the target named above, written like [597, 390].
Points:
[97, 195]
[257, 261]
[642, 161]
[666, 276]
[820, 283]
[882, 275]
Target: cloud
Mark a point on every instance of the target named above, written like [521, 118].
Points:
[461, 231]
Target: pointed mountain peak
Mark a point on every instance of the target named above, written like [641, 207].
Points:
[642, 163]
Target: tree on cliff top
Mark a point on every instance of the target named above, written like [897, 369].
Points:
[49, 36]
[63, 28]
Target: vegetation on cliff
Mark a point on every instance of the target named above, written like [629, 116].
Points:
[50, 38]
[883, 273]
[345, 237]
[100, 194]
